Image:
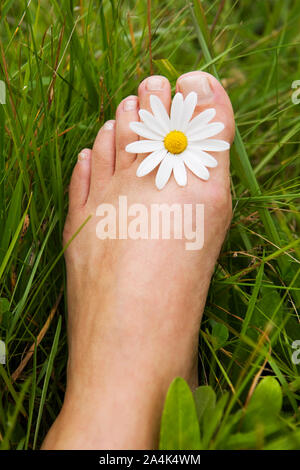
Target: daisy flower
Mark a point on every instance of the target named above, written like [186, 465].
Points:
[176, 141]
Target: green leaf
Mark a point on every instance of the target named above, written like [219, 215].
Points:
[219, 335]
[211, 420]
[205, 399]
[179, 426]
[265, 404]
[289, 442]
[265, 308]
[267, 396]
[247, 440]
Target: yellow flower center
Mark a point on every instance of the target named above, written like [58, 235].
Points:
[175, 142]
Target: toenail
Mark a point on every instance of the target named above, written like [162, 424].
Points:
[109, 125]
[154, 83]
[198, 83]
[129, 105]
[83, 155]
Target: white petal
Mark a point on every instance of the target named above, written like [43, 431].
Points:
[194, 164]
[160, 113]
[164, 172]
[188, 109]
[176, 111]
[144, 146]
[207, 131]
[151, 122]
[150, 162]
[201, 120]
[179, 171]
[140, 129]
[213, 145]
[204, 157]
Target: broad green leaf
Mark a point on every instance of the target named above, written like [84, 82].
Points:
[2, 352]
[211, 420]
[265, 404]
[219, 335]
[179, 425]
[291, 441]
[205, 399]
[238, 441]
[265, 308]
[268, 395]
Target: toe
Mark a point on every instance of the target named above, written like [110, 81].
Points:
[155, 85]
[103, 158]
[211, 94]
[126, 113]
[80, 181]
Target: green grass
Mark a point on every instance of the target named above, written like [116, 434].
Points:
[66, 66]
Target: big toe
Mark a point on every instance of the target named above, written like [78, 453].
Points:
[211, 96]
[217, 120]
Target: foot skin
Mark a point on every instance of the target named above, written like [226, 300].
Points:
[135, 306]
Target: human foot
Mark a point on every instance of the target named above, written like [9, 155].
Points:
[135, 306]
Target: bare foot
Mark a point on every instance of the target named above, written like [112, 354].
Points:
[135, 306]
